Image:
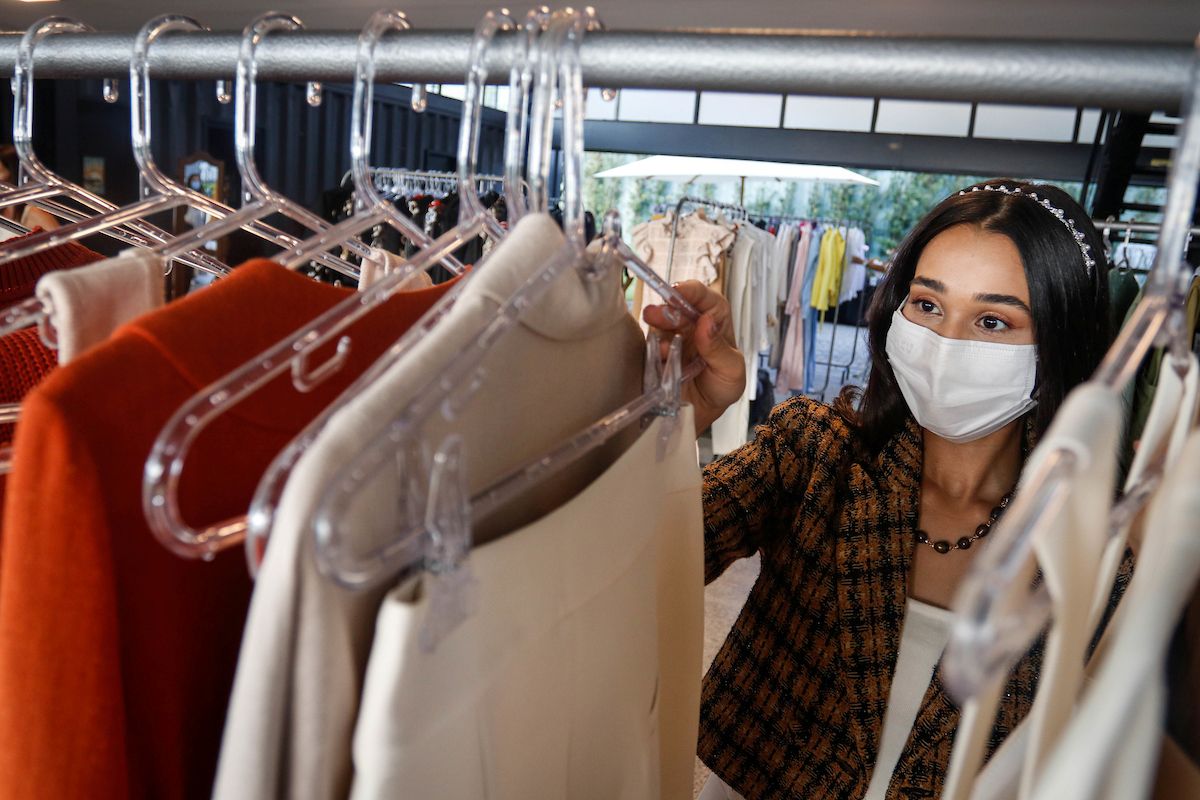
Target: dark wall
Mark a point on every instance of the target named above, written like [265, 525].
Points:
[301, 151]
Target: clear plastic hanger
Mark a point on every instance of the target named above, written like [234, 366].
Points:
[438, 535]
[159, 191]
[149, 205]
[67, 214]
[270, 489]
[378, 208]
[38, 184]
[521, 77]
[260, 200]
[997, 616]
[160, 485]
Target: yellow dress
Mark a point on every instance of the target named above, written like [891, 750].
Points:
[828, 281]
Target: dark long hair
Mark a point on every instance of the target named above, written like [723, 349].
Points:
[1070, 308]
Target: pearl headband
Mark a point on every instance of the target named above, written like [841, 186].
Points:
[1076, 234]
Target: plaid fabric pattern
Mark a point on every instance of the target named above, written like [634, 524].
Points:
[793, 705]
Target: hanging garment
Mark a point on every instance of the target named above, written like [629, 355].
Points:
[827, 282]
[1068, 544]
[761, 289]
[18, 278]
[854, 266]
[299, 681]
[764, 399]
[1110, 749]
[809, 313]
[791, 365]
[381, 263]
[1123, 289]
[780, 267]
[784, 286]
[24, 361]
[555, 686]
[88, 303]
[1140, 393]
[1169, 425]
[699, 244]
[116, 656]
[730, 430]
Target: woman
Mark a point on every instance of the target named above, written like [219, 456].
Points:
[867, 518]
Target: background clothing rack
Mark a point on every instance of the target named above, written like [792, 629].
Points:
[829, 363]
[400, 173]
[1130, 76]
[687, 200]
[1108, 228]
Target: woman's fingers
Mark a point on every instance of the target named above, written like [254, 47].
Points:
[710, 337]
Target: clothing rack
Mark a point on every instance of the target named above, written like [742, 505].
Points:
[694, 201]
[1131, 226]
[1136, 227]
[1131, 76]
[399, 173]
[779, 218]
[829, 363]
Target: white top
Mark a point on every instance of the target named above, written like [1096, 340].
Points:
[926, 631]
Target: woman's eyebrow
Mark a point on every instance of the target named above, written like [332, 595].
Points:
[1003, 300]
[930, 283]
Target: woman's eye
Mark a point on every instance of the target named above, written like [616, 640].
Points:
[994, 324]
[926, 307]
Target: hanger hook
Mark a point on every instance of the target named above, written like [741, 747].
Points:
[380, 23]
[246, 97]
[139, 106]
[469, 206]
[516, 128]
[566, 34]
[22, 85]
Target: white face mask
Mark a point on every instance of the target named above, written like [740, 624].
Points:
[961, 390]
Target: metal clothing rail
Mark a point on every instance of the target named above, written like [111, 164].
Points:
[1128, 76]
[400, 173]
[1135, 227]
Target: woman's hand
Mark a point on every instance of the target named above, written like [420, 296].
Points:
[711, 338]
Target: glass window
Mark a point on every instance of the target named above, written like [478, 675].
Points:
[657, 105]
[828, 113]
[923, 117]
[598, 107]
[1029, 123]
[735, 108]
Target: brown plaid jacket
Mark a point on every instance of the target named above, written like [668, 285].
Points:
[793, 705]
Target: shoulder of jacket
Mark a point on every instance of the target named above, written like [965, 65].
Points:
[808, 421]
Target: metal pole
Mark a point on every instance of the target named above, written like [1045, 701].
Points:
[1131, 76]
[1135, 227]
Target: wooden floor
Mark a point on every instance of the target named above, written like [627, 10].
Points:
[723, 599]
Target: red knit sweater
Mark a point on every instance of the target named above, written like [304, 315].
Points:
[19, 278]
